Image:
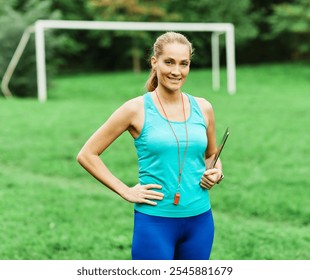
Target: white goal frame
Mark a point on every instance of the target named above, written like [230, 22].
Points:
[216, 28]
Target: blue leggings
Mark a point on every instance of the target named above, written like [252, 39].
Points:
[160, 238]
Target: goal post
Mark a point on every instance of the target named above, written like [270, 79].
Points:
[216, 28]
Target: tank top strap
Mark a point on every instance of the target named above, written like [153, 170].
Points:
[151, 114]
[148, 104]
[146, 98]
[196, 112]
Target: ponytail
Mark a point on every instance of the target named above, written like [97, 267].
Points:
[152, 82]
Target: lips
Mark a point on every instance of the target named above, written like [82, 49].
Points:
[175, 79]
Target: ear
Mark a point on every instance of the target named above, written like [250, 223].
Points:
[153, 62]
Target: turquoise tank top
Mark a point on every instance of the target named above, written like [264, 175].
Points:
[157, 152]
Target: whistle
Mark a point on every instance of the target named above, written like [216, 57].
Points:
[176, 198]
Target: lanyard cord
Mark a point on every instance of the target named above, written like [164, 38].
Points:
[180, 166]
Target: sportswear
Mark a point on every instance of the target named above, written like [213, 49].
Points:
[157, 152]
[160, 238]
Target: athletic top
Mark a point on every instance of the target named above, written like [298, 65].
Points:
[157, 152]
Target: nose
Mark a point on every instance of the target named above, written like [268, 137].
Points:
[175, 71]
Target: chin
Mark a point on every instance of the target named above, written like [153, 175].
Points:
[174, 87]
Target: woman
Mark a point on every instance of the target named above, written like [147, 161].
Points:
[174, 134]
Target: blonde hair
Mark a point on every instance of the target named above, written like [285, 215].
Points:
[161, 41]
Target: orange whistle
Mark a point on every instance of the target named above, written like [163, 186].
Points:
[176, 198]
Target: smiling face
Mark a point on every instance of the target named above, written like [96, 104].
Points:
[172, 67]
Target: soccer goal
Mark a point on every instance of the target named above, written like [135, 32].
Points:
[216, 29]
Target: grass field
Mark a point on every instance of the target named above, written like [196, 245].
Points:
[52, 209]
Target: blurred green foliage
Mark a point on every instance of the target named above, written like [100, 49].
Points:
[265, 31]
[13, 23]
[132, 10]
[292, 20]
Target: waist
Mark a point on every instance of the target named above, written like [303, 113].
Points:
[194, 199]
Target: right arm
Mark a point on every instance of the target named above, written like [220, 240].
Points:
[212, 175]
[124, 118]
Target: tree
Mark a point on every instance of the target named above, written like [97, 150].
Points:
[292, 21]
[133, 10]
[236, 12]
[13, 23]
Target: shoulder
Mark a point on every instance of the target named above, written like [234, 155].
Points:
[128, 110]
[133, 105]
[133, 113]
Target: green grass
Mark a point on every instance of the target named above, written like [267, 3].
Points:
[52, 209]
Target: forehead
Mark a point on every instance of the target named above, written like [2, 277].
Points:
[177, 51]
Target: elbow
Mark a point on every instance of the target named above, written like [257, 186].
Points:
[80, 158]
[85, 157]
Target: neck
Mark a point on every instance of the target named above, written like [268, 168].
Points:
[169, 96]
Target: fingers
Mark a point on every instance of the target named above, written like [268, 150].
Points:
[152, 186]
[145, 194]
[154, 196]
[149, 202]
[206, 185]
[211, 171]
[150, 194]
[209, 178]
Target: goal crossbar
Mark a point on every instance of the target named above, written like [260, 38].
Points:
[216, 28]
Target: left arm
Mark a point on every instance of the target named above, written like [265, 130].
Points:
[213, 175]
